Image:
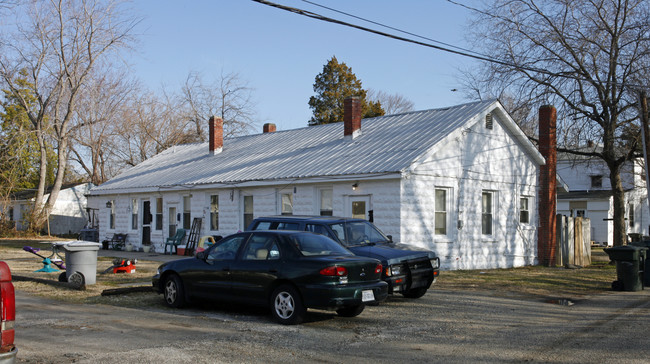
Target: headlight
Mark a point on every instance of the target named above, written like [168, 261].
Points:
[396, 269]
[435, 263]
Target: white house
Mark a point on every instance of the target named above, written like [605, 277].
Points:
[68, 215]
[461, 181]
[589, 195]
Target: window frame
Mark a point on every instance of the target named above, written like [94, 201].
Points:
[214, 215]
[525, 210]
[134, 213]
[326, 212]
[159, 214]
[487, 227]
[444, 213]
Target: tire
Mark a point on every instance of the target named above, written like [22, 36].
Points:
[350, 311]
[286, 306]
[77, 280]
[415, 293]
[173, 292]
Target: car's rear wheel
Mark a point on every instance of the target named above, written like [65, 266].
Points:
[415, 293]
[350, 311]
[174, 293]
[286, 306]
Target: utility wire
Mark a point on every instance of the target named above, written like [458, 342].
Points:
[316, 16]
[396, 29]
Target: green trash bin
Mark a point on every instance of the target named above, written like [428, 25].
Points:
[630, 267]
[646, 268]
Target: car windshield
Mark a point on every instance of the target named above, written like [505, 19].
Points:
[358, 233]
[314, 245]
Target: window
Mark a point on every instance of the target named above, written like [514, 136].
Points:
[159, 213]
[172, 221]
[214, 212]
[596, 181]
[261, 247]
[326, 202]
[112, 216]
[227, 248]
[486, 210]
[440, 212]
[187, 212]
[248, 211]
[11, 214]
[630, 215]
[524, 211]
[319, 229]
[286, 200]
[134, 214]
[359, 209]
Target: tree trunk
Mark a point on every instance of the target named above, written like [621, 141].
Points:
[620, 232]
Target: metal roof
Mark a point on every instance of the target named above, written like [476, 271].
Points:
[387, 144]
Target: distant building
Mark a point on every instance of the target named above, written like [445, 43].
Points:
[68, 215]
[589, 195]
[461, 181]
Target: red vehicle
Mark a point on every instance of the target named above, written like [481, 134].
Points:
[8, 310]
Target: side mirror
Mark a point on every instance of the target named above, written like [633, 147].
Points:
[390, 238]
[200, 255]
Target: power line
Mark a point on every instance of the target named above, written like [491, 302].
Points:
[395, 29]
[316, 16]
[445, 47]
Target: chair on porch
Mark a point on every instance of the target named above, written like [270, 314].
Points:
[174, 241]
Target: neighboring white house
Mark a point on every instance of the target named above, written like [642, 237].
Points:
[461, 181]
[589, 195]
[68, 215]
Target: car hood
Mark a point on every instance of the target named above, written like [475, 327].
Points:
[391, 253]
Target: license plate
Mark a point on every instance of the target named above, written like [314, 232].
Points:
[367, 295]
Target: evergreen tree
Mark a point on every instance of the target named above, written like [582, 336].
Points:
[332, 86]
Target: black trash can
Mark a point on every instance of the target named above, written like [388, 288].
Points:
[630, 267]
[646, 268]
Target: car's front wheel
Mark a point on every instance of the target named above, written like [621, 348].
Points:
[286, 306]
[415, 293]
[174, 293]
[350, 311]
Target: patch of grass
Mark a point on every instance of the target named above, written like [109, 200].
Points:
[534, 281]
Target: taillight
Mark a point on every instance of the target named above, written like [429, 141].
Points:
[378, 269]
[7, 309]
[334, 271]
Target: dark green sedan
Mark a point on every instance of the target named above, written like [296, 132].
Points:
[288, 271]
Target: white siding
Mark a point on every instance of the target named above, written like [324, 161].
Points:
[467, 166]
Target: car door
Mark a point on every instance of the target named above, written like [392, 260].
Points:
[257, 268]
[214, 279]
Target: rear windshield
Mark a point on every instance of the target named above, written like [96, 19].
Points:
[317, 245]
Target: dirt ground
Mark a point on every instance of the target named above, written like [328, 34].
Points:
[490, 316]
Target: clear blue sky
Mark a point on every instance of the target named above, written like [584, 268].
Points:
[280, 53]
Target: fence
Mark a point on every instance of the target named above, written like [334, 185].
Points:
[574, 241]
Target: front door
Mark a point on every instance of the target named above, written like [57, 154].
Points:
[359, 207]
[146, 222]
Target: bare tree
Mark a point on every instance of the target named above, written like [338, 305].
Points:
[98, 119]
[59, 46]
[584, 57]
[228, 96]
[391, 103]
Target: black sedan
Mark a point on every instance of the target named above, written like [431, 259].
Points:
[288, 271]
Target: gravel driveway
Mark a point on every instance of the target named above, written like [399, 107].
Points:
[443, 326]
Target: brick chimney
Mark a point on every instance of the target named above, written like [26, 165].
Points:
[216, 135]
[547, 236]
[352, 117]
[268, 128]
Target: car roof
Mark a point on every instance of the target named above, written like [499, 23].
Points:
[307, 218]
